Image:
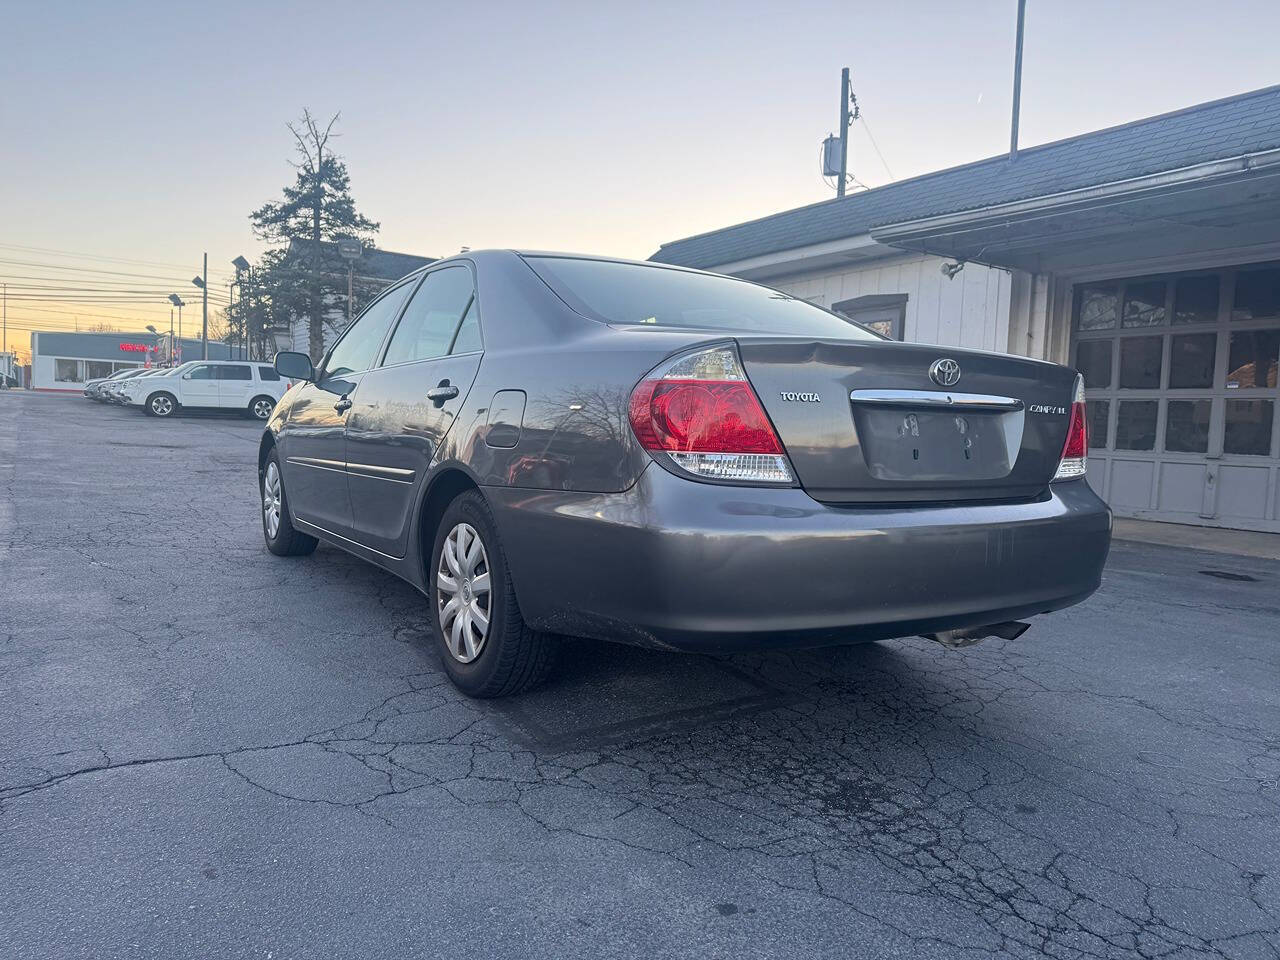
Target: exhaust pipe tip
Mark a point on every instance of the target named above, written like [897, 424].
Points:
[968, 636]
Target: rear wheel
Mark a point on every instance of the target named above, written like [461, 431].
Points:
[487, 648]
[277, 529]
[161, 405]
[260, 408]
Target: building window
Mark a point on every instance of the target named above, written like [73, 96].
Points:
[1096, 306]
[1187, 426]
[1248, 427]
[1254, 356]
[1136, 425]
[68, 371]
[1099, 417]
[885, 313]
[1195, 299]
[1140, 360]
[1093, 360]
[1191, 361]
[1144, 303]
[1257, 294]
[97, 369]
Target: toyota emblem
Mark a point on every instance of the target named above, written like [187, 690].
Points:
[945, 372]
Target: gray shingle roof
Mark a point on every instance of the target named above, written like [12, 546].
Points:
[379, 264]
[1237, 125]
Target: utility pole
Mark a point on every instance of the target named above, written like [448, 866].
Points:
[1017, 82]
[844, 131]
[204, 307]
[4, 347]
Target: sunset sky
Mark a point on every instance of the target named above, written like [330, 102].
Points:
[142, 134]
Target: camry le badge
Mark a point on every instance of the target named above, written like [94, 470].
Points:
[945, 372]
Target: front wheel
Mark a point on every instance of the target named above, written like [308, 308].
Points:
[487, 648]
[277, 528]
[160, 405]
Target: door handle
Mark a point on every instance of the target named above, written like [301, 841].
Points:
[343, 405]
[444, 391]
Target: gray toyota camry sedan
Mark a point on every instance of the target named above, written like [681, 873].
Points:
[550, 445]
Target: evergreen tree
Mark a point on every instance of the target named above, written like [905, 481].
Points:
[317, 207]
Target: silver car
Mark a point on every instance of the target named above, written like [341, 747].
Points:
[547, 444]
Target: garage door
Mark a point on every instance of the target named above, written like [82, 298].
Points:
[1181, 372]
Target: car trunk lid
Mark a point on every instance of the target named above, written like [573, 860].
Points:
[865, 422]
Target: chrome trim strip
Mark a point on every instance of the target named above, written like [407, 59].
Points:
[336, 466]
[934, 398]
[394, 474]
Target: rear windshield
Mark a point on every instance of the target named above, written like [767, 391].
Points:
[632, 293]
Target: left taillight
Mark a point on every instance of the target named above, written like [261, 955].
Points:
[1075, 452]
[701, 413]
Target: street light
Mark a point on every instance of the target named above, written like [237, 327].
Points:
[204, 310]
[242, 268]
[178, 302]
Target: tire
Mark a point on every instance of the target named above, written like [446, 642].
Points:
[160, 405]
[286, 541]
[506, 656]
[260, 407]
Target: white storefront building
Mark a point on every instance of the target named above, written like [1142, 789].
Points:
[64, 362]
[1145, 255]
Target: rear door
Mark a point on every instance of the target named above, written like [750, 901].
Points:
[877, 422]
[200, 386]
[405, 407]
[235, 385]
[312, 439]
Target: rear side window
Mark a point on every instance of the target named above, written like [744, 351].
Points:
[235, 372]
[468, 338]
[268, 373]
[633, 293]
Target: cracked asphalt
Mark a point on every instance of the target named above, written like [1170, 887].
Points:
[207, 751]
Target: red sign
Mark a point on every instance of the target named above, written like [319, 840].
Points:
[134, 347]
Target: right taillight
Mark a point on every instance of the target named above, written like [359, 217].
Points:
[1075, 452]
[700, 412]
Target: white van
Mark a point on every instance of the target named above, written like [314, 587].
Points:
[249, 385]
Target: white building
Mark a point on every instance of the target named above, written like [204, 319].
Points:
[63, 362]
[1146, 255]
[369, 275]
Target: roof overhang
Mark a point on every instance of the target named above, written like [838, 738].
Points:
[818, 256]
[1217, 205]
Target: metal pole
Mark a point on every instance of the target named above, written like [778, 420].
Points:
[1017, 82]
[844, 131]
[4, 347]
[351, 270]
[204, 307]
[171, 336]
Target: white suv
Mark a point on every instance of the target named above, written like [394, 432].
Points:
[251, 386]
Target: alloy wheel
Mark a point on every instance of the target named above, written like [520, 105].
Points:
[161, 406]
[463, 593]
[271, 500]
[262, 409]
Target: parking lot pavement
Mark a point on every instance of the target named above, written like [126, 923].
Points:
[207, 751]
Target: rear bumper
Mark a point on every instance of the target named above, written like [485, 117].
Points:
[676, 563]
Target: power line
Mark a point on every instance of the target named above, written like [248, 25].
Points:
[875, 146]
[100, 258]
[114, 273]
